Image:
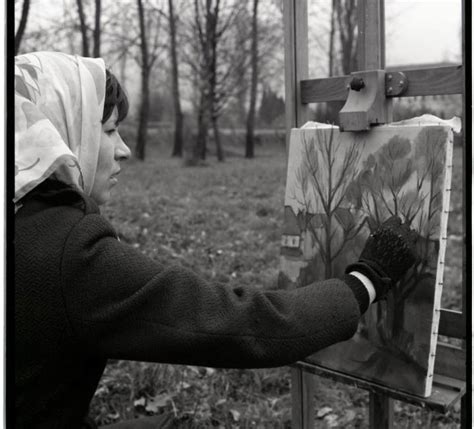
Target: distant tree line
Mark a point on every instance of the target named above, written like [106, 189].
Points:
[216, 49]
[219, 56]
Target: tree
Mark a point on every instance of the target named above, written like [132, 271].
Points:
[328, 169]
[22, 25]
[271, 106]
[178, 114]
[145, 76]
[383, 188]
[97, 29]
[83, 27]
[346, 13]
[149, 53]
[344, 16]
[332, 32]
[206, 22]
[213, 63]
[249, 147]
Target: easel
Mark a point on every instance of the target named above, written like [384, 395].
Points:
[374, 107]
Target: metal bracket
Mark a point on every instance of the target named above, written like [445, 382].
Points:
[396, 83]
[367, 103]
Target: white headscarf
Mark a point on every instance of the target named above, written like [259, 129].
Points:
[59, 103]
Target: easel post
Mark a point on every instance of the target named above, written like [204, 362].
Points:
[449, 381]
[371, 56]
[296, 114]
[465, 406]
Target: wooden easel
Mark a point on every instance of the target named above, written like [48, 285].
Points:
[449, 382]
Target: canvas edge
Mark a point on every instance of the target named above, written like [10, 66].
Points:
[441, 260]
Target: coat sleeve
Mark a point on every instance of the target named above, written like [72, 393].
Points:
[123, 305]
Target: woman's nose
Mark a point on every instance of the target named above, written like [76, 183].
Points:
[122, 151]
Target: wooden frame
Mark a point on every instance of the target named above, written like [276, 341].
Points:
[449, 384]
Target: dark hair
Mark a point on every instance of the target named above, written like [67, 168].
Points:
[114, 97]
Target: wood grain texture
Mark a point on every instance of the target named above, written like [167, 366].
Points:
[380, 411]
[302, 389]
[295, 21]
[435, 81]
[371, 41]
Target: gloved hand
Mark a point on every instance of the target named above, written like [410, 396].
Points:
[388, 254]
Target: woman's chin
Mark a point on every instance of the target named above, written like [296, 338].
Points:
[101, 198]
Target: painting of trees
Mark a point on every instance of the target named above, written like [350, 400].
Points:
[394, 182]
[340, 187]
[326, 172]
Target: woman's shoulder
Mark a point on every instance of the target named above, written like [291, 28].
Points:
[53, 194]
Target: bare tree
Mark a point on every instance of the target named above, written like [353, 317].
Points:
[97, 28]
[250, 140]
[343, 24]
[83, 27]
[149, 53]
[346, 13]
[145, 94]
[22, 25]
[324, 177]
[178, 114]
[332, 32]
[206, 20]
[213, 63]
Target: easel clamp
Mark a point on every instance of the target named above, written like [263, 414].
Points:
[368, 101]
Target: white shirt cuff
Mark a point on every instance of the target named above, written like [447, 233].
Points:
[367, 283]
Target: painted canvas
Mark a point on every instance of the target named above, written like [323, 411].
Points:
[340, 186]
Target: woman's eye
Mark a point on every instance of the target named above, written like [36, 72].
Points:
[110, 132]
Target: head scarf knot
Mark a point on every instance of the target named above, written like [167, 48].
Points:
[59, 103]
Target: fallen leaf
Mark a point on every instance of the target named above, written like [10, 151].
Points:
[331, 420]
[183, 385]
[323, 411]
[235, 415]
[349, 416]
[139, 402]
[114, 416]
[159, 401]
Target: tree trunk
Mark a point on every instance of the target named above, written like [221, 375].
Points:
[331, 39]
[97, 29]
[178, 114]
[217, 138]
[83, 26]
[347, 20]
[145, 95]
[22, 25]
[143, 117]
[250, 140]
[203, 126]
[212, 102]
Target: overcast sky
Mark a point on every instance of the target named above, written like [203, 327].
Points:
[416, 30]
[423, 31]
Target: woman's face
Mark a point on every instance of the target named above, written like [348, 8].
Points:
[112, 150]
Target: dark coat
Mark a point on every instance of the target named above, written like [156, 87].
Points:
[82, 296]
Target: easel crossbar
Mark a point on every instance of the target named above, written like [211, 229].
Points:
[445, 393]
[421, 82]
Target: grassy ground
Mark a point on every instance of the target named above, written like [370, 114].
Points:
[224, 220]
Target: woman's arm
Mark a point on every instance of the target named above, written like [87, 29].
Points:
[124, 305]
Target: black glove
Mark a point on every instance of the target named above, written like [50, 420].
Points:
[388, 254]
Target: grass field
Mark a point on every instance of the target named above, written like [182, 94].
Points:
[224, 220]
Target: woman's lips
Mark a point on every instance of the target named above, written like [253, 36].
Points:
[114, 178]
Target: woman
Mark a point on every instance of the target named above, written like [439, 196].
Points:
[81, 296]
